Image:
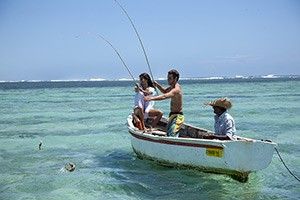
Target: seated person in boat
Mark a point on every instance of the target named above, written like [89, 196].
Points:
[144, 110]
[224, 122]
[173, 92]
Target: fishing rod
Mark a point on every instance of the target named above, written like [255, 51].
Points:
[110, 44]
[137, 34]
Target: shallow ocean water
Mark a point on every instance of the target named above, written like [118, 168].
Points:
[84, 123]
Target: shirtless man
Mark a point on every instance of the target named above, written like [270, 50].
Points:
[174, 92]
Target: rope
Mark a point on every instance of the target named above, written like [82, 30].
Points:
[286, 166]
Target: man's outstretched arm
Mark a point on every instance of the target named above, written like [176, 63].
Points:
[161, 97]
[163, 90]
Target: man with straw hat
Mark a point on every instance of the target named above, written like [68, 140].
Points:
[224, 123]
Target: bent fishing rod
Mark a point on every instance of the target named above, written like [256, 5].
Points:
[110, 44]
[138, 35]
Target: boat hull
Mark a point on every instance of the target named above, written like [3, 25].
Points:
[235, 158]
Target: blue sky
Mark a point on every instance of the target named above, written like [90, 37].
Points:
[46, 40]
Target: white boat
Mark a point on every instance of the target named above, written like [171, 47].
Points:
[199, 148]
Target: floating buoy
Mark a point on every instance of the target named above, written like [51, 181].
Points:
[70, 167]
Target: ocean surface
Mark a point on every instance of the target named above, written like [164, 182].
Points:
[84, 122]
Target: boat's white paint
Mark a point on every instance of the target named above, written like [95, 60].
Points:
[242, 155]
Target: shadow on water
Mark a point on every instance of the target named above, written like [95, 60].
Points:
[146, 179]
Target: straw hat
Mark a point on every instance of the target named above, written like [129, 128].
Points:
[222, 102]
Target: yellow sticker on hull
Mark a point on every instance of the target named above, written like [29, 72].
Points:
[214, 152]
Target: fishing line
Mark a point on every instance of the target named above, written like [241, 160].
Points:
[137, 34]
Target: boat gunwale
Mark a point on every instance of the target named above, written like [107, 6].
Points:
[169, 141]
[195, 140]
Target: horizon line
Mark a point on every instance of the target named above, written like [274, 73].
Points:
[270, 76]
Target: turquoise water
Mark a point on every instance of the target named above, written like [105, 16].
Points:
[86, 125]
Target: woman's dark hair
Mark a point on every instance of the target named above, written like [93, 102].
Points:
[221, 108]
[147, 77]
[174, 73]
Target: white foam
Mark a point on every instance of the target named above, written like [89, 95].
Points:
[97, 79]
[240, 76]
[68, 80]
[124, 79]
[270, 76]
[214, 78]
